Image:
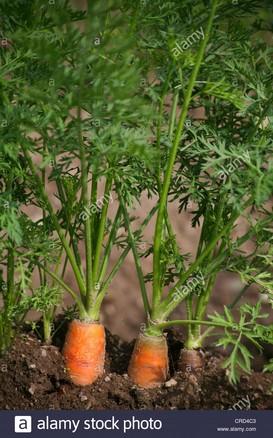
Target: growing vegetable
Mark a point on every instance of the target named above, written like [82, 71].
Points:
[103, 105]
[149, 365]
[78, 135]
[84, 351]
[219, 169]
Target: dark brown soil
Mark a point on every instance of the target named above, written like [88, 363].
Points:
[33, 376]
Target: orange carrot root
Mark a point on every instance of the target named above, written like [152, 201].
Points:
[191, 361]
[84, 352]
[149, 365]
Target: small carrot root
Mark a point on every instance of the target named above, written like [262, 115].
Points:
[149, 365]
[84, 352]
[191, 361]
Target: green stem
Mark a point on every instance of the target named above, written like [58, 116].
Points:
[205, 334]
[167, 324]
[173, 115]
[169, 231]
[44, 281]
[64, 267]
[108, 185]
[189, 311]
[93, 200]
[132, 243]
[203, 300]
[87, 223]
[157, 288]
[109, 245]
[201, 238]
[239, 296]
[70, 227]
[171, 302]
[171, 234]
[118, 264]
[83, 313]
[170, 133]
[160, 118]
[47, 324]
[94, 314]
[55, 222]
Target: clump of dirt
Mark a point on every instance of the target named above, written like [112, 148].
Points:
[33, 376]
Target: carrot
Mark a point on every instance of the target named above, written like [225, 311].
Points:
[84, 352]
[190, 361]
[149, 364]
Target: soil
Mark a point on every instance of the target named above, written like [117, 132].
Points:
[33, 376]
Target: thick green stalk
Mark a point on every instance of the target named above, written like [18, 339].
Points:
[203, 300]
[132, 243]
[118, 264]
[87, 222]
[47, 326]
[109, 245]
[189, 301]
[158, 137]
[103, 218]
[161, 113]
[157, 288]
[88, 252]
[189, 315]
[93, 201]
[202, 303]
[55, 222]
[94, 314]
